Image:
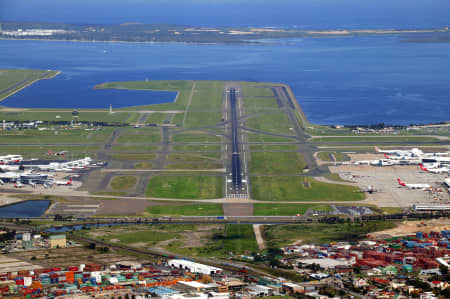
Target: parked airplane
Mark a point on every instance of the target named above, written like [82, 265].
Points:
[399, 157]
[9, 167]
[64, 183]
[398, 152]
[424, 187]
[10, 159]
[434, 170]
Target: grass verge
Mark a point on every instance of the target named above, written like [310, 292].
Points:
[293, 188]
[188, 187]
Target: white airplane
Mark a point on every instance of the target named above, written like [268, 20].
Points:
[424, 187]
[18, 185]
[395, 152]
[10, 159]
[64, 183]
[434, 170]
[398, 157]
[9, 167]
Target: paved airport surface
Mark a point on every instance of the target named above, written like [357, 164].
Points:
[388, 193]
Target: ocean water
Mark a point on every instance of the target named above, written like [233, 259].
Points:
[344, 80]
[307, 14]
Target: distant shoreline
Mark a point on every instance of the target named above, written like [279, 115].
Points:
[160, 33]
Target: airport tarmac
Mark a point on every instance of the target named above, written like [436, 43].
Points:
[387, 191]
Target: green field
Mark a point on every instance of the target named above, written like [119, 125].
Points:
[268, 138]
[182, 87]
[196, 148]
[178, 119]
[293, 189]
[273, 147]
[41, 152]
[277, 122]
[141, 138]
[130, 147]
[276, 163]
[194, 157]
[207, 241]
[195, 187]
[250, 90]
[200, 119]
[66, 115]
[195, 136]
[156, 118]
[133, 156]
[12, 80]
[282, 235]
[256, 104]
[144, 165]
[186, 210]
[150, 238]
[195, 166]
[123, 182]
[325, 156]
[236, 238]
[67, 136]
[261, 209]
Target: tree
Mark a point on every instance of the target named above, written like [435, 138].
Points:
[92, 246]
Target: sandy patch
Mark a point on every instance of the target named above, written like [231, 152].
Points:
[97, 234]
[114, 240]
[267, 30]
[233, 32]
[201, 30]
[411, 227]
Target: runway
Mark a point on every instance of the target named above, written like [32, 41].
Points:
[236, 171]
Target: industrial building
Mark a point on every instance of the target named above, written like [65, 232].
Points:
[193, 267]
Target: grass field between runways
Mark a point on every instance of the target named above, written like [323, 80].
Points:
[276, 163]
[293, 188]
[186, 210]
[123, 182]
[188, 187]
[277, 122]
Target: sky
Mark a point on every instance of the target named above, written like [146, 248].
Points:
[283, 13]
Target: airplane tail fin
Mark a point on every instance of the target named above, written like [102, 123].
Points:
[49, 152]
[400, 182]
[377, 149]
[422, 168]
[386, 156]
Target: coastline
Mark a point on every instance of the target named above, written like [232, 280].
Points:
[248, 37]
[101, 86]
[56, 73]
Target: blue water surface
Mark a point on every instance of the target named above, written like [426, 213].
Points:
[306, 14]
[31, 208]
[343, 80]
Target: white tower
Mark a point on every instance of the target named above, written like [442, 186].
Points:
[110, 109]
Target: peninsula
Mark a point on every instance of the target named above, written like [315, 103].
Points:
[147, 33]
